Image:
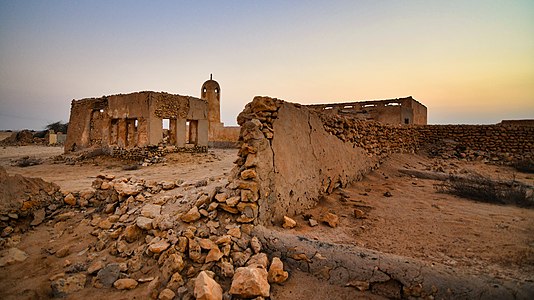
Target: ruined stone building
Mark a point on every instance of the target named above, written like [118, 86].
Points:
[149, 119]
[392, 111]
[137, 120]
[218, 134]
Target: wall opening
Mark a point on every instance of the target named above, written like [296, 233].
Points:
[95, 127]
[406, 121]
[165, 125]
[131, 133]
[192, 137]
[114, 132]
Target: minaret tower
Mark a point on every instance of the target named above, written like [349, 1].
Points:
[211, 92]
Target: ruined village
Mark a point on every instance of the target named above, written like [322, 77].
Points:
[148, 195]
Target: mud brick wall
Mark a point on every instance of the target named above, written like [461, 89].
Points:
[288, 160]
[496, 143]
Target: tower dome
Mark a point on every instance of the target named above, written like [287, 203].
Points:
[211, 92]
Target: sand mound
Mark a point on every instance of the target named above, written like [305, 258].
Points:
[19, 193]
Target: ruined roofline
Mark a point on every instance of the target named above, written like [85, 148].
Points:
[365, 102]
[133, 93]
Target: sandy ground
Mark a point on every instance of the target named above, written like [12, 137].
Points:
[416, 221]
[79, 177]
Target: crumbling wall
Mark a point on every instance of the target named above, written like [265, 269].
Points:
[291, 154]
[136, 120]
[291, 159]
[392, 111]
[496, 143]
[223, 136]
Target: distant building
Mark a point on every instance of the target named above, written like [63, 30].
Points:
[392, 111]
[137, 120]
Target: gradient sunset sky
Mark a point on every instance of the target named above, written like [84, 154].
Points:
[469, 62]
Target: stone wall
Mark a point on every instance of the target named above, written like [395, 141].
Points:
[495, 143]
[291, 155]
[490, 143]
[290, 160]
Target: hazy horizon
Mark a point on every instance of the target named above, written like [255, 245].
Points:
[469, 62]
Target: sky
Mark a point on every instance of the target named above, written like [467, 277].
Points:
[468, 61]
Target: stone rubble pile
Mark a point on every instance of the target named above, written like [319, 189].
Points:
[207, 251]
[152, 154]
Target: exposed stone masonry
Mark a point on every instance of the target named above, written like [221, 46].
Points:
[493, 143]
[142, 153]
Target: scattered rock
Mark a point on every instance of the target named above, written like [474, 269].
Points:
[70, 199]
[95, 266]
[358, 213]
[259, 260]
[167, 185]
[166, 294]
[151, 211]
[12, 256]
[387, 194]
[214, 255]
[144, 223]
[125, 284]
[159, 247]
[289, 223]
[235, 232]
[276, 271]
[331, 219]
[38, 217]
[250, 282]
[206, 288]
[63, 251]
[125, 189]
[107, 276]
[191, 216]
[313, 223]
[64, 286]
[132, 233]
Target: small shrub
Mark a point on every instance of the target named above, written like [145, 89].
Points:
[525, 166]
[130, 167]
[484, 189]
[27, 161]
